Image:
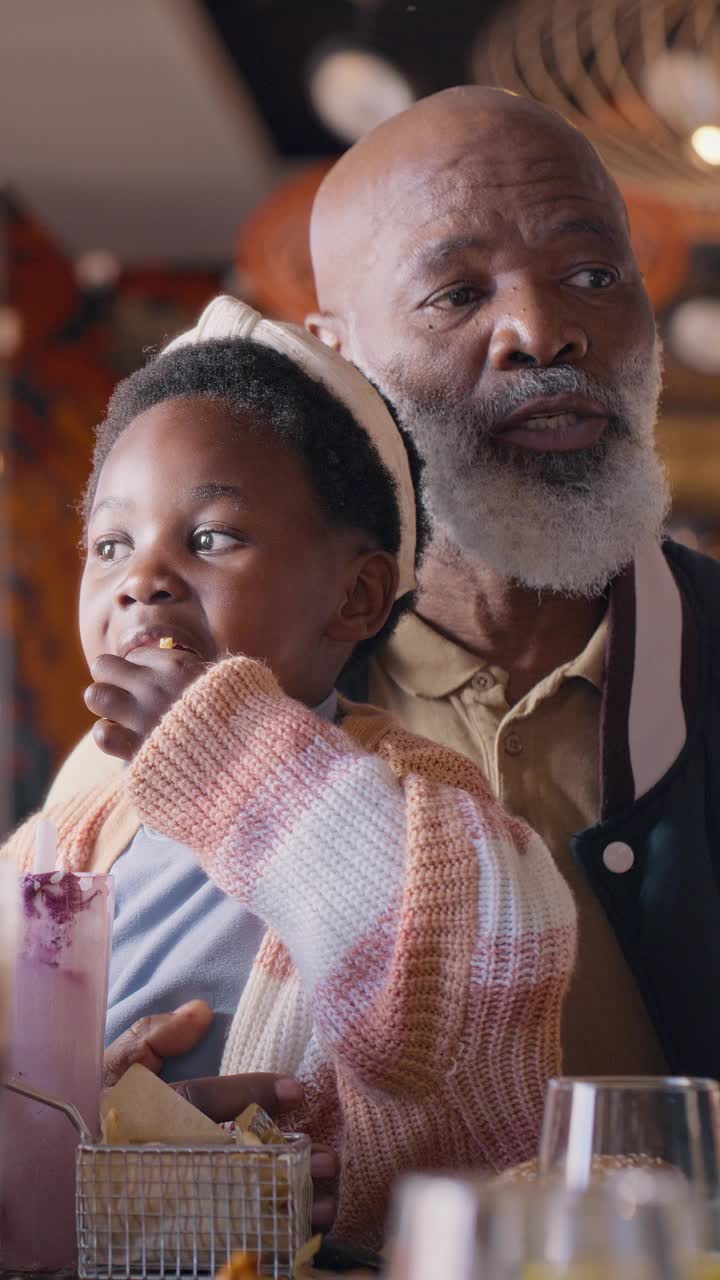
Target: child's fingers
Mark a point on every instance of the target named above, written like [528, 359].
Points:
[111, 670]
[165, 666]
[166, 661]
[324, 1208]
[154, 1038]
[115, 740]
[323, 1161]
[324, 1167]
[110, 703]
[224, 1097]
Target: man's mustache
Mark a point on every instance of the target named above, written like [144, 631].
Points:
[497, 405]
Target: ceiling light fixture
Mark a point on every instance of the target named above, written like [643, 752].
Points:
[693, 334]
[353, 88]
[705, 142]
[97, 269]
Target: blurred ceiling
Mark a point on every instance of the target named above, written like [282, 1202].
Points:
[125, 127]
[273, 44]
[147, 131]
[151, 128]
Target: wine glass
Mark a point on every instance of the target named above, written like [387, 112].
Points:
[593, 1126]
[635, 1225]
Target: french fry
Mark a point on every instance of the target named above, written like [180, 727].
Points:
[255, 1120]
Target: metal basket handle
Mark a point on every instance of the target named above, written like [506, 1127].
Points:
[67, 1108]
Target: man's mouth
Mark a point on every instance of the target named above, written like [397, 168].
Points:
[557, 424]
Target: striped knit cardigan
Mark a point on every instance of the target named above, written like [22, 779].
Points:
[419, 941]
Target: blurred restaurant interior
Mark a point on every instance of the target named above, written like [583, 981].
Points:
[153, 152]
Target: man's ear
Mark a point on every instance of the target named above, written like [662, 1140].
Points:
[370, 595]
[328, 328]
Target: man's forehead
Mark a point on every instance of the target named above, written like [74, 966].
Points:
[413, 187]
[465, 210]
[485, 167]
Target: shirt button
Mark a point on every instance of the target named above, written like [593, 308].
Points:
[513, 744]
[482, 680]
[618, 857]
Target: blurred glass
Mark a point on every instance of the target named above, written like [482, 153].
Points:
[591, 1127]
[434, 1230]
[635, 1224]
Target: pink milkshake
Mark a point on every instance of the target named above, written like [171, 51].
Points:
[56, 1044]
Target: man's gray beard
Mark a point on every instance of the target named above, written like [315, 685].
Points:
[566, 521]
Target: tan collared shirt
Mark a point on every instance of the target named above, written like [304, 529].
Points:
[541, 758]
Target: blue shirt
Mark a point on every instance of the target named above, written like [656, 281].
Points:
[177, 937]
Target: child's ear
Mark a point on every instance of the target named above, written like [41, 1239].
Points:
[371, 591]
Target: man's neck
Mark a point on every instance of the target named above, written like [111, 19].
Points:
[527, 633]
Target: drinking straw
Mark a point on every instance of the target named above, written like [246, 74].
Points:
[45, 847]
[578, 1162]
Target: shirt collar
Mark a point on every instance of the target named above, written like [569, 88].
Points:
[590, 664]
[422, 661]
[328, 708]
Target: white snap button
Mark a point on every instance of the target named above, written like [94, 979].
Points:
[618, 857]
[513, 744]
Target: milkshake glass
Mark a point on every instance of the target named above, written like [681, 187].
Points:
[9, 911]
[56, 1044]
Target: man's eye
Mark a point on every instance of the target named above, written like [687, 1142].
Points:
[111, 550]
[595, 278]
[461, 296]
[213, 540]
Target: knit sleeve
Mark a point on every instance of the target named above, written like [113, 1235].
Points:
[419, 916]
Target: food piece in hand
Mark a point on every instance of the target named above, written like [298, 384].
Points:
[166, 642]
[142, 1108]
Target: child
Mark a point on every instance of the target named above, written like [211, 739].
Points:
[383, 929]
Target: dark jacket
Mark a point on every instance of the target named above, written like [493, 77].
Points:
[666, 909]
[653, 859]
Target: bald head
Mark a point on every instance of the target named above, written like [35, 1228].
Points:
[394, 171]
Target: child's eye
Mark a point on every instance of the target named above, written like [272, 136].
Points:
[214, 540]
[111, 550]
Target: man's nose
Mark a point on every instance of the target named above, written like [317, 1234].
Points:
[534, 331]
[150, 580]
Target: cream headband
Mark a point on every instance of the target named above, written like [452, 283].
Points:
[229, 318]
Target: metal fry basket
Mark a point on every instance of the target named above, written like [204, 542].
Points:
[170, 1211]
[182, 1211]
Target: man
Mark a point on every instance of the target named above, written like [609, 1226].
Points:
[472, 257]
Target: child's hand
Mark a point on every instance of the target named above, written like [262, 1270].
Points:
[224, 1097]
[166, 1035]
[131, 695]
